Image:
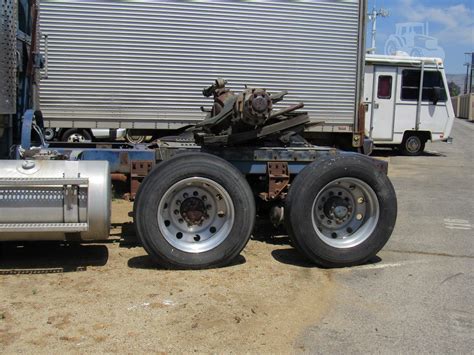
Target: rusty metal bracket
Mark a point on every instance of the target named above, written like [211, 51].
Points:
[278, 180]
[138, 170]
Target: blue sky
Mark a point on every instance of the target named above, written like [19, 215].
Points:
[451, 22]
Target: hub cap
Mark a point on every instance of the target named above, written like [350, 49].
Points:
[195, 215]
[48, 134]
[413, 144]
[76, 138]
[345, 212]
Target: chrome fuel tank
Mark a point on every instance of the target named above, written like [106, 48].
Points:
[54, 200]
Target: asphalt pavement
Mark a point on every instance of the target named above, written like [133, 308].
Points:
[418, 297]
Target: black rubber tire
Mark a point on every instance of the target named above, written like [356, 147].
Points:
[305, 188]
[69, 132]
[405, 148]
[167, 173]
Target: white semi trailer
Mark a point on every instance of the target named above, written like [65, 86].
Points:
[113, 66]
[142, 66]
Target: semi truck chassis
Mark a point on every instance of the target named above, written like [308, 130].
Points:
[196, 206]
[197, 195]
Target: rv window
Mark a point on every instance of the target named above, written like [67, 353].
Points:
[411, 84]
[384, 89]
[433, 79]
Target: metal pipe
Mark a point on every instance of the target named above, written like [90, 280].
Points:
[420, 96]
[287, 110]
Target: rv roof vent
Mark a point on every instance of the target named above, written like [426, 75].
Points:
[401, 54]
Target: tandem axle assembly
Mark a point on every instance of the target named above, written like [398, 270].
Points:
[197, 206]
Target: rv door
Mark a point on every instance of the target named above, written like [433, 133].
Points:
[383, 103]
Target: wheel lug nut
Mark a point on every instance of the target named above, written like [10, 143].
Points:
[176, 212]
[221, 214]
[178, 202]
[185, 195]
[208, 207]
[180, 220]
[359, 216]
[204, 198]
[360, 200]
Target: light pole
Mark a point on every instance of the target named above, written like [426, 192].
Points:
[373, 17]
[468, 79]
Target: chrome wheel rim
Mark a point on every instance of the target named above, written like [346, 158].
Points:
[135, 139]
[413, 144]
[345, 212]
[195, 215]
[48, 134]
[76, 138]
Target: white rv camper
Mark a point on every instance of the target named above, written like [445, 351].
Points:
[399, 114]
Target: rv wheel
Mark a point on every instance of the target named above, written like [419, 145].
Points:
[74, 135]
[194, 211]
[412, 145]
[340, 211]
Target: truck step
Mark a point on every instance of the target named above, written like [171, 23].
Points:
[19, 182]
[44, 227]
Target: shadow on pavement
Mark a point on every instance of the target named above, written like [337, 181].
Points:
[50, 257]
[291, 256]
[146, 262]
[265, 232]
[127, 235]
[387, 152]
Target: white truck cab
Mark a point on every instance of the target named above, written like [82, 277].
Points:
[398, 113]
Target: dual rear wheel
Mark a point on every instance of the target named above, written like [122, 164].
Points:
[198, 211]
[194, 211]
[340, 211]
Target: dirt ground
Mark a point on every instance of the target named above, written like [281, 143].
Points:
[112, 298]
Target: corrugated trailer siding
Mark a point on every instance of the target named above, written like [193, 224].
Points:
[148, 61]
